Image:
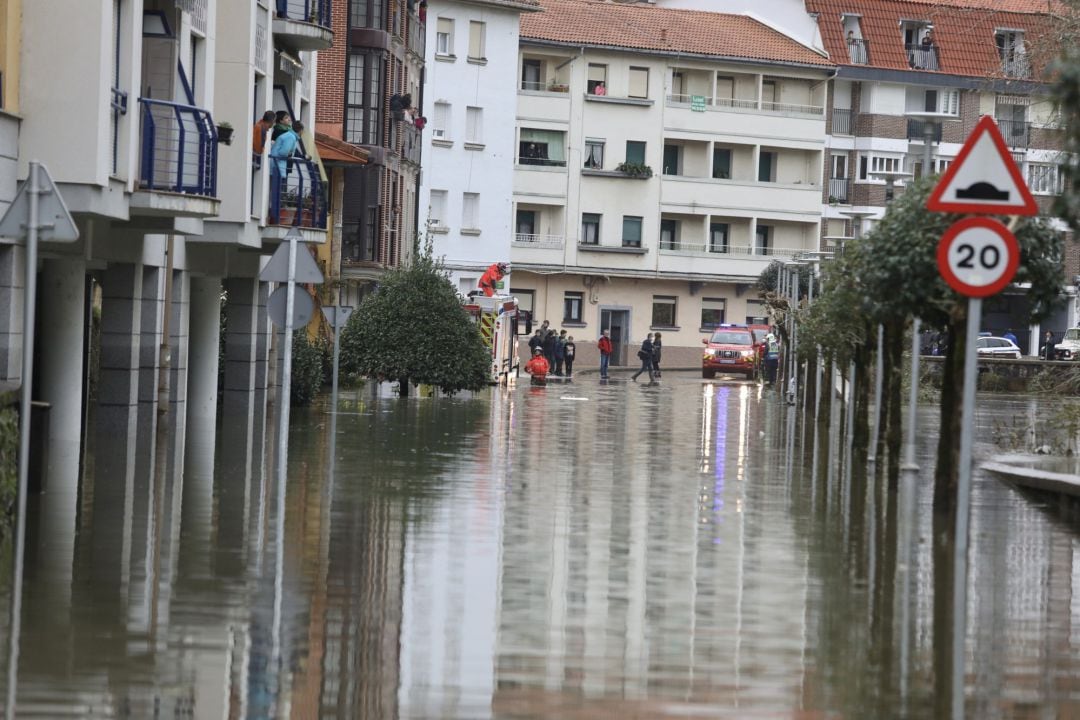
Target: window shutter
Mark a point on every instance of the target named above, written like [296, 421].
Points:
[476, 39]
[474, 125]
[639, 82]
[469, 210]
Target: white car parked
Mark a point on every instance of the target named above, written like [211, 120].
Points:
[997, 347]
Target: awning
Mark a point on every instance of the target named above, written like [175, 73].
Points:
[338, 151]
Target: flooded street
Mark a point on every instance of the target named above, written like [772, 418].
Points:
[580, 551]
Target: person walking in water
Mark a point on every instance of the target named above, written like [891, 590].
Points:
[604, 346]
[646, 356]
[656, 354]
[538, 367]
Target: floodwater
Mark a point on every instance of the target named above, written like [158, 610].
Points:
[582, 551]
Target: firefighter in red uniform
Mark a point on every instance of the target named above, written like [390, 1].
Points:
[494, 273]
[538, 367]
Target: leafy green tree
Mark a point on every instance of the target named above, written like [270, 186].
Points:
[309, 359]
[413, 329]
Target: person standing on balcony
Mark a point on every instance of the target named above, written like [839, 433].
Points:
[282, 124]
[258, 140]
[283, 148]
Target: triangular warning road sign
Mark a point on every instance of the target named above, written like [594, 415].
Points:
[277, 270]
[983, 179]
[54, 221]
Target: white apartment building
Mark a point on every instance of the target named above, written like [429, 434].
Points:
[469, 146]
[665, 158]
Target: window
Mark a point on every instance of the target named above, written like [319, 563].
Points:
[526, 222]
[766, 167]
[594, 154]
[718, 237]
[942, 101]
[437, 211]
[763, 240]
[363, 100]
[725, 90]
[663, 311]
[474, 125]
[1045, 179]
[542, 147]
[444, 37]
[572, 302]
[721, 163]
[470, 211]
[671, 159]
[476, 40]
[590, 229]
[669, 234]
[639, 82]
[467, 284]
[366, 14]
[440, 123]
[870, 164]
[597, 78]
[755, 313]
[635, 152]
[631, 231]
[768, 93]
[712, 312]
[1010, 48]
[530, 75]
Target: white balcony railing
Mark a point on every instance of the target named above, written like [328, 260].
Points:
[547, 242]
[720, 251]
[747, 104]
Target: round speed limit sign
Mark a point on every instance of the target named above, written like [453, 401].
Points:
[978, 257]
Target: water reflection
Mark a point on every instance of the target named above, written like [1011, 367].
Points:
[602, 551]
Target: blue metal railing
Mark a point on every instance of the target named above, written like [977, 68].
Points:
[297, 197]
[179, 148]
[316, 12]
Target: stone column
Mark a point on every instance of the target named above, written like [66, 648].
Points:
[204, 339]
[245, 340]
[12, 280]
[59, 348]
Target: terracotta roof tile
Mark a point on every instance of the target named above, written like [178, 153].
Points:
[647, 27]
[963, 31]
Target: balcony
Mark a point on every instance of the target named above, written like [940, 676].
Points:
[304, 24]
[178, 157]
[842, 121]
[922, 57]
[407, 140]
[916, 130]
[838, 190]
[858, 51]
[1017, 133]
[1016, 67]
[358, 249]
[540, 242]
[541, 162]
[297, 198]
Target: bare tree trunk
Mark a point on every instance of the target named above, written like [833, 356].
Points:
[894, 438]
[952, 383]
[861, 432]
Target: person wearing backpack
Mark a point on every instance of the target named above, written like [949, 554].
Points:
[645, 354]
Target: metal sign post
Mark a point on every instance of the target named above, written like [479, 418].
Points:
[338, 317]
[37, 213]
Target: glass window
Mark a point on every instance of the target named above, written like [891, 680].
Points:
[713, 311]
[669, 234]
[470, 211]
[718, 237]
[437, 211]
[444, 37]
[755, 313]
[671, 159]
[590, 229]
[476, 40]
[440, 122]
[474, 125]
[572, 304]
[721, 163]
[530, 75]
[635, 152]
[594, 154]
[631, 231]
[542, 147]
[526, 222]
[663, 311]
[597, 78]
[767, 167]
[639, 82]
[1044, 179]
[763, 244]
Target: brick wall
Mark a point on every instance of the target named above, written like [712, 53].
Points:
[867, 194]
[331, 76]
[1047, 138]
[881, 126]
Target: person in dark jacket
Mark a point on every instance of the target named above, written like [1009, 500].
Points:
[560, 352]
[656, 350]
[568, 353]
[536, 341]
[646, 357]
[550, 340]
[1049, 347]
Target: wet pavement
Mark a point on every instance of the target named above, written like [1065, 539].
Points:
[582, 551]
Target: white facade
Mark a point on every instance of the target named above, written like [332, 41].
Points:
[735, 150]
[466, 190]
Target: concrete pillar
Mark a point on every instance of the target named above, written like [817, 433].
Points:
[1034, 340]
[148, 342]
[204, 342]
[59, 347]
[179, 349]
[12, 280]
[245, 340]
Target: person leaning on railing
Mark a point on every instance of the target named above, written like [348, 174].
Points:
[258, 139]
[283, 148]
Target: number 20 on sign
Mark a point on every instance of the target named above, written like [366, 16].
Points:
[978, 257]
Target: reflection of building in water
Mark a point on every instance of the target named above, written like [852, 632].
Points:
[648, 563]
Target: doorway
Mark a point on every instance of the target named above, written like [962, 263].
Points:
[618, 322]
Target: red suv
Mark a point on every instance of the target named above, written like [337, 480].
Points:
[729, 350]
